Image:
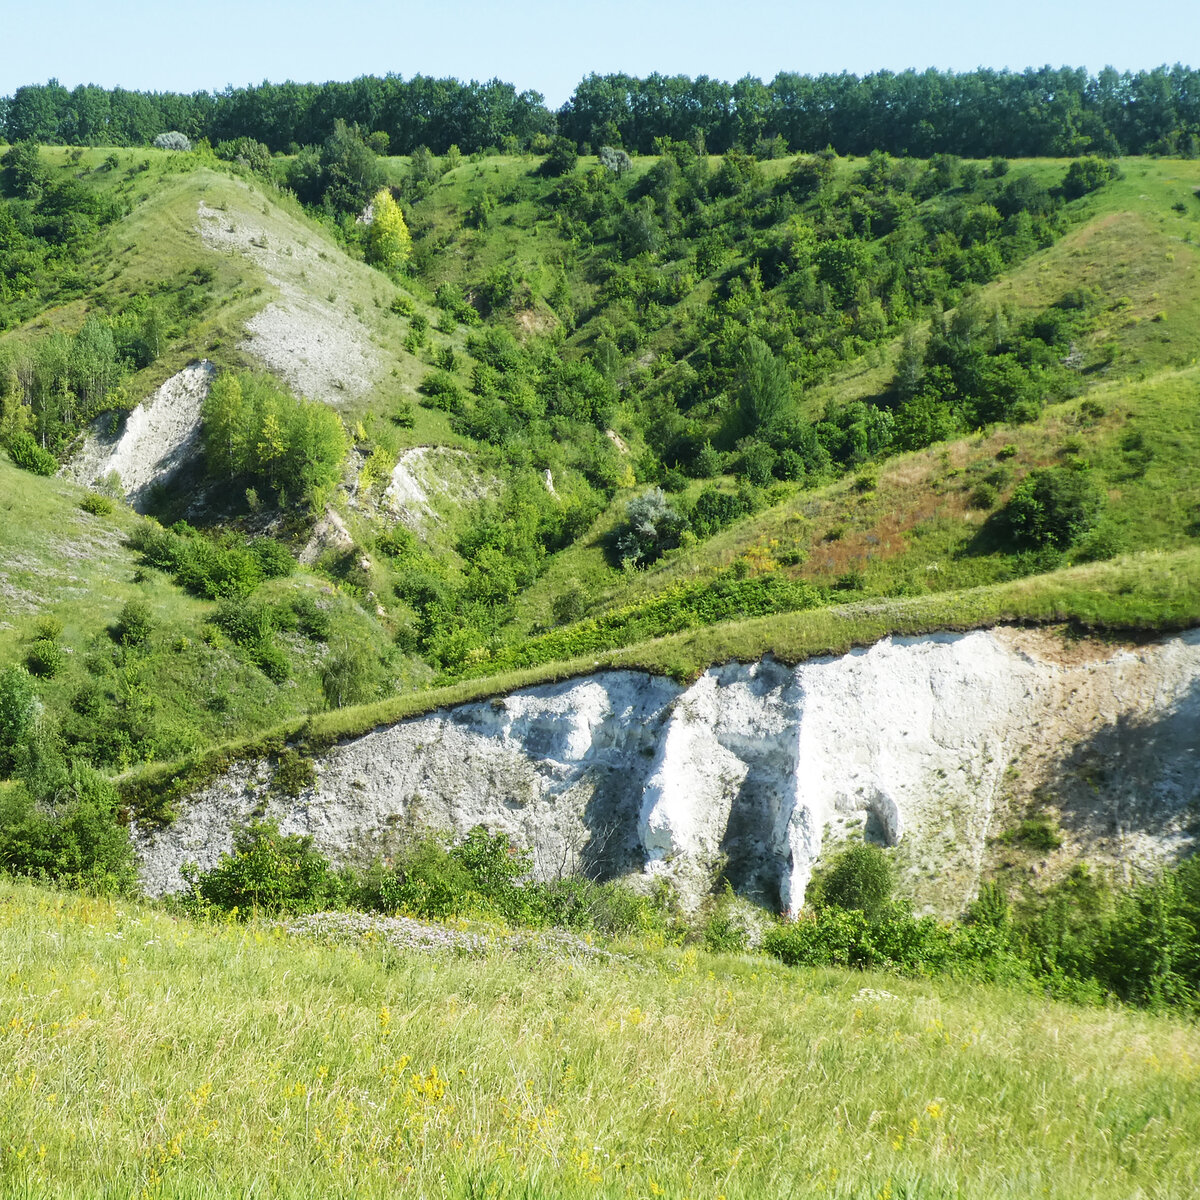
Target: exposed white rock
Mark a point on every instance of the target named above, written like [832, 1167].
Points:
[925, 743]
[155, 440]
[306, 337]
[428, 477]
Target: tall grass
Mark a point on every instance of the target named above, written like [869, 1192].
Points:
[142, 1055]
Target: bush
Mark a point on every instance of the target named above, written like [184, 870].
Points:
[96, 504]
[273, 557]
[311, 620]
[172, 141]
[1087, 175]
[441, 391]
[134, 625]
[268, 871]
[1053, 509]
[350, 675]
[860, 877]
[25, 452]
[271, 661]
[245, 622]
[80, 841]
[44, 658]
[17, 707]
[47, 628]
[652, 526]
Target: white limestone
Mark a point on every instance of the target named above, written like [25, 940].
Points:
[931, 744]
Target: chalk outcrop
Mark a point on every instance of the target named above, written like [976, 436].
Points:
[933, 745]
[154, 442]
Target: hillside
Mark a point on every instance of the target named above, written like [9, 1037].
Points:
[150, 1053]
[657, 412]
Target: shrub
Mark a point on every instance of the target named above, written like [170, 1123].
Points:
[350, 675]
[1053, 508]
[311, 620]
[47, 628]
[652, 525]
[273, 557]
[266, 870]
[293, 773]
[1086, 175]
[44, 658]
[860, 877]
[17, 708]
[271, 661]
[25, 452]
[174, 140]
[134, 625]
[245, 622]
[96, 504]
[80, 841]
[441, 391]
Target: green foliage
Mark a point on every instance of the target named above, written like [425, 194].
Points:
[135, 624]
[1038, 833]
[388, 242]
[293, 773]
[860, 877]
[45, 658]
[25, 452]
[341, 176]
[652, 526]
[266, 871]
[97, 504]
[253, 428]
[214, 567]
[76, 839]
[350, 675]
[17, 708]
[1053, 508]
[1087, 175]
[561, 160]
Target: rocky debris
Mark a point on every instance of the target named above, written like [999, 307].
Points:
[429, 478]
[329, 533]
[933, 744]
[156, 440]
[424, 937]
[306, 337]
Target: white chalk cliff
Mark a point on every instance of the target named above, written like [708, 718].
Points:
[932, 744]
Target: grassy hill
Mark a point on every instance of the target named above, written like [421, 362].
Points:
[150, 1055]
[559, 348]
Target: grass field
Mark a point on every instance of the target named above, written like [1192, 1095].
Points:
[144, 1055]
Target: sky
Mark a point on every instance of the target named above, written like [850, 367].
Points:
[548, 47]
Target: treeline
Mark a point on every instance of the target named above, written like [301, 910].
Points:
[1037, 112]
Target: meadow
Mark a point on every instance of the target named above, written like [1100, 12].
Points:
[145, 1054]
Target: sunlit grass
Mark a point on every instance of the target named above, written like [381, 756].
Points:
[144, 1055]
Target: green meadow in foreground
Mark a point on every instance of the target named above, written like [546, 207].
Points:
[145, 1055]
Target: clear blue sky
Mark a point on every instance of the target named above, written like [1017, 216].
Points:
[168, 46]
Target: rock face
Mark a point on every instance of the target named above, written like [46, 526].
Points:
[157, 439]
[933, 745]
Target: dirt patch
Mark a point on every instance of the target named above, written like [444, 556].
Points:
[329, 533]
[324, 352]
[1056, 644]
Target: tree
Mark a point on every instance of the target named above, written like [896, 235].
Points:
[652, 526]
[18, 706]
[860, 877]
[388, 241]
[764, 389]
